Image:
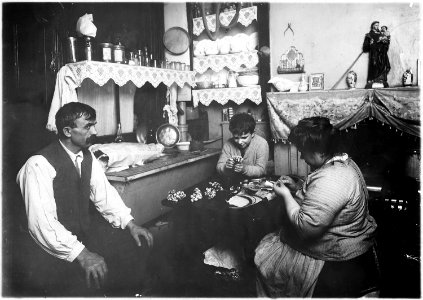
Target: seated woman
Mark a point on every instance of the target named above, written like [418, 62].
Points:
[325, 245]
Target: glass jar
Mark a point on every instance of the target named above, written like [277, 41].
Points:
[106, 52]
[119, 54]
[140, 58]
[131, 60]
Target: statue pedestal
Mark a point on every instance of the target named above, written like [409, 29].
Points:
[377, 85]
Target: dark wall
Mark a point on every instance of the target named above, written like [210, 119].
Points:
[33, 52]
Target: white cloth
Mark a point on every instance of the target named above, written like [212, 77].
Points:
[64, 92]
[124, 155]
[35, 180]
[85, 25]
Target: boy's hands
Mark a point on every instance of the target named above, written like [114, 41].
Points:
[235, 163]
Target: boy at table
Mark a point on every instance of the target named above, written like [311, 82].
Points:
[244, 143]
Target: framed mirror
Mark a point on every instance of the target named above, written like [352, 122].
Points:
[176, 40]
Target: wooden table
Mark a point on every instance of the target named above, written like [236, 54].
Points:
[211, 221]
[142, 188]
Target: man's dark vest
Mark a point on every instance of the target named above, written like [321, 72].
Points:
[71, 192]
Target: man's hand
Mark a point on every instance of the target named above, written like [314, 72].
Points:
[94, 266]
[230, 163]
[137, 231]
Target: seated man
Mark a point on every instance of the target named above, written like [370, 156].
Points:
[73, 250]
[245, 144]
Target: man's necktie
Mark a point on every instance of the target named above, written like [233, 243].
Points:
[78, 160]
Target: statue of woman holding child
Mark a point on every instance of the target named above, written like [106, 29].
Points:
[376, 43]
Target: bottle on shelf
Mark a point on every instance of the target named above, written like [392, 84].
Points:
[88, 48]
[119, 137]
[140, 58]
[146, 57]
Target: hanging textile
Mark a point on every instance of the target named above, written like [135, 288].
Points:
[396, 107]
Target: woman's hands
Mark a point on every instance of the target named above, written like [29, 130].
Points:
[281, 190]
[293, 184]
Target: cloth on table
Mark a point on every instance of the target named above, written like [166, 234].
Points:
[124, 155]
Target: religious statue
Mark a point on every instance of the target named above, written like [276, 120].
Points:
[376, 43]
[351, 79]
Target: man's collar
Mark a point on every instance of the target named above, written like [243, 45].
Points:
[70, 153]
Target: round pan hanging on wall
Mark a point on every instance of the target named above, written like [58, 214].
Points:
[176, 40]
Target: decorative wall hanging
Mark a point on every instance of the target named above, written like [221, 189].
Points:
[317, 81]
[292, 61]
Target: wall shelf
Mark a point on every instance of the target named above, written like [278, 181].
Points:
[223, 95]
[246, 16]
[231, 61]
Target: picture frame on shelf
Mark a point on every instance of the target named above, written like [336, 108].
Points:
[317, 81]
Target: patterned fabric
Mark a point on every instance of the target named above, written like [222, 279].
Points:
[101, 72]
[398, 107]
[72, 75]
[222, 96]
[246, 17]
[231, 61]
[283, 271]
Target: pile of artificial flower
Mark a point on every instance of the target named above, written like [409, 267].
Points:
[196, 195]
[175, 196]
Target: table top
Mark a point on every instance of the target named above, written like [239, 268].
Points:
[163, 163]
[216, 194]
[212, 221]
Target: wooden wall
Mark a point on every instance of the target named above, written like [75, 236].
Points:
[288, 161]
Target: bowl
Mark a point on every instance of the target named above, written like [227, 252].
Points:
[183, 146]
[247, 80]
[203, 85]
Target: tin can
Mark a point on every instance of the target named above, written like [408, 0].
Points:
[106, 52]
[71, 50]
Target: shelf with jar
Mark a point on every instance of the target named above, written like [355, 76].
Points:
[229, 65]
[246, 16]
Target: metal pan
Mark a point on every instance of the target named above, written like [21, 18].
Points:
[176, 40]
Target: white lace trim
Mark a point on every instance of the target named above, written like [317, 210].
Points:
[246, 16]
[101, 72]
[222, 96]
[232, 61]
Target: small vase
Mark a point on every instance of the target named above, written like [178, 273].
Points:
[407, 78]
[303, 84]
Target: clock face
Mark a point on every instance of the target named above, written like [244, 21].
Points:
[167, 135]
